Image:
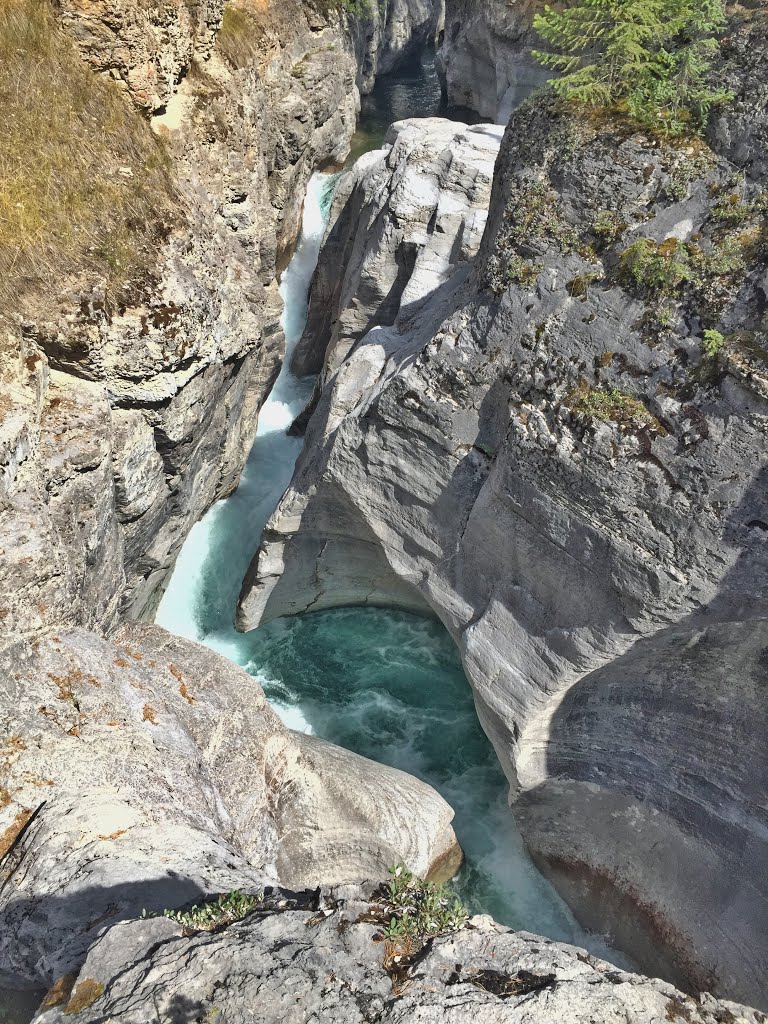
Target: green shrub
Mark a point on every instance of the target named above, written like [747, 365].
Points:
[215, 913]
[611, 405]
[713, 344]
[417, 910]
[652, 58]
[657, 268]
[504, 271]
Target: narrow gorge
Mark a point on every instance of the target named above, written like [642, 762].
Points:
[383, 442]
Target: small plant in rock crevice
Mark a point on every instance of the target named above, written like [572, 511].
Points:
[215, 913]
[415, 909]
[712, 344]
[612, 405]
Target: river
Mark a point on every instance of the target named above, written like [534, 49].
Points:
[386, 684]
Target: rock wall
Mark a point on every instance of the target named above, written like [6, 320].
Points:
[401, 223]
[484, 57]
[145, 772]
[125, 417]
[554, 458]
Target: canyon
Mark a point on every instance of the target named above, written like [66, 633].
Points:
[510, 432]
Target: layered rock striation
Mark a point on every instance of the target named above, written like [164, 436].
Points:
[562, 455]
[129, 408]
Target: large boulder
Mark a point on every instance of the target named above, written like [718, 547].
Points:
[144, 771]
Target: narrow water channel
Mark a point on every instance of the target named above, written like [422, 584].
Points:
[386, 684]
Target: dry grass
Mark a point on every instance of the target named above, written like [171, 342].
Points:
[84, 185]
[242, 32]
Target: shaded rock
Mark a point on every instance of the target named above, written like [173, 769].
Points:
[485, 55]
[144, 772]
[402, 221]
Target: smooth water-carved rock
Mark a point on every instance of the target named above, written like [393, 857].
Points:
[328, 964]
[403, 219]
[485, 55]
[548, 460]
[144, 772]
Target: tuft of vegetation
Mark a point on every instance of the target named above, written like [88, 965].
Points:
[215, 913]
[657, 268]
[417, 910]
[612, 405]
[513, 269]
[84, 184]
[606, 228]
[712, 344]
[241, 35]
[533, 222]
[651, 59]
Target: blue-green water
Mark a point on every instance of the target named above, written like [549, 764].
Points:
[386, 684]
[413, 91]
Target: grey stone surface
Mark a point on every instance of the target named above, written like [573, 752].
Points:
[402, 221]
[484, 466]
[106, 463]
[303, 966]
[144, 771]
[485, 55]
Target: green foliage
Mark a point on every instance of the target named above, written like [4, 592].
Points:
[533, 221]
[658, 269]
[513, 269]
[579, 286]
[652, 58]
[607, 227]
[215, 913]
[415, 909]
[610, 404]
[713, 344]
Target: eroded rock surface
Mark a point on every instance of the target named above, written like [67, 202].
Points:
[328, 966]
[485, 56]
[126, 416]
[144, 772]
[402, 221]
[548, 459]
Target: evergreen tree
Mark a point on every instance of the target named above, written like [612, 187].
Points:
[652, 57]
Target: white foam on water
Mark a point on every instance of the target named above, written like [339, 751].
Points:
[386, 684]
[215, 556]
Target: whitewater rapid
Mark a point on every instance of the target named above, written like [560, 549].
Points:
[384, 683]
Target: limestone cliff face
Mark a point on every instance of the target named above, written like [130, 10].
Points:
[403, 220]
[550, 458]
[124, 417]
[485, 58]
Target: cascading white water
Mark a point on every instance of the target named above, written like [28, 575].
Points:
[386, 684]
[203, 589]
